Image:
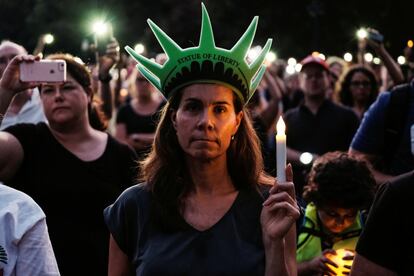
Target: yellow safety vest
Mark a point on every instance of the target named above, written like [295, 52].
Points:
[309, 245]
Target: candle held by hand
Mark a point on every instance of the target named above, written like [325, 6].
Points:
[280, 150]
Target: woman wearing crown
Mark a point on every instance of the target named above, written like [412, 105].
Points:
[205, 206]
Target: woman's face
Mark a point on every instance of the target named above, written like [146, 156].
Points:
[336, 68]
[360, 87]
[205, 121]
[143, 86]
[65, 101]
[336, 219]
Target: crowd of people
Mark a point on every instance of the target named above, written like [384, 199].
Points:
[166, 165]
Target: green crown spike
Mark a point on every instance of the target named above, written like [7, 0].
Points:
[206, 35]
[242, 46]
[168, 45]
[205, 63]
[149, 76]
[152, 66]
[257, 79]
[254, 66]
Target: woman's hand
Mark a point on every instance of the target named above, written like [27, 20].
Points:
[10, 81]
[376, 45]
[280, 210]
[140, 141]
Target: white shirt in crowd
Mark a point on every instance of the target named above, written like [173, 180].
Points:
[31, 112]
[25, 247]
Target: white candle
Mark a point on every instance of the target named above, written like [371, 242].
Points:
[280, 150]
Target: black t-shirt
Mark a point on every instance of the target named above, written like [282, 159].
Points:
[138, 123]
[233, 246]
[387, 239]
[73, 193]
[135, 122]
[330, 129]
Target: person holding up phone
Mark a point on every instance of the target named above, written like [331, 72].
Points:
[375, 40]
[70, 167]
[107, 61]
[26, 106]
[106, 51]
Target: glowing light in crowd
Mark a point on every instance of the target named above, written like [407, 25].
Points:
[290, 69]
[291, 61]
[376, 60]
[48, 38]
[270, 57]
[362, 33]
[139, 48]
[254, 52]
[401, 60]
[343, 266]
[306, 158]
[319, 55]
[99, 27]
[85, 45]
[410, 43]
[298, 67]
[123, 92]
[348, 57]
[315, 53]
[368, 57]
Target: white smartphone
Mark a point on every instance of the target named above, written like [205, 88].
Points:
[43, 71]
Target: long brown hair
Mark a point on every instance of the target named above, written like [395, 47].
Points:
[82, 75]
[165, 172]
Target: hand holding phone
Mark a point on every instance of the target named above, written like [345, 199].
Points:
[43, 71]
[110, 59]
[375, 36]
[103, 40]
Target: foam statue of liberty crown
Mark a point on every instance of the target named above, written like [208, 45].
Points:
[205, 63]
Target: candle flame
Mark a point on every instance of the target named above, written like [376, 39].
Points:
[280, 126]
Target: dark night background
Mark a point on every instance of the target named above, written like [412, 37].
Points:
[298, 27]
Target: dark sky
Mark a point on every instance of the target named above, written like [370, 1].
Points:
[298, 27]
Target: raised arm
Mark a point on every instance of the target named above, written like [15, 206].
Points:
[392, 66]
[106, 62]
[10, 83]
[272, 110]
[11, 151]
[279, 214]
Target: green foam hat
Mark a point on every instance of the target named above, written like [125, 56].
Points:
[205, 63]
